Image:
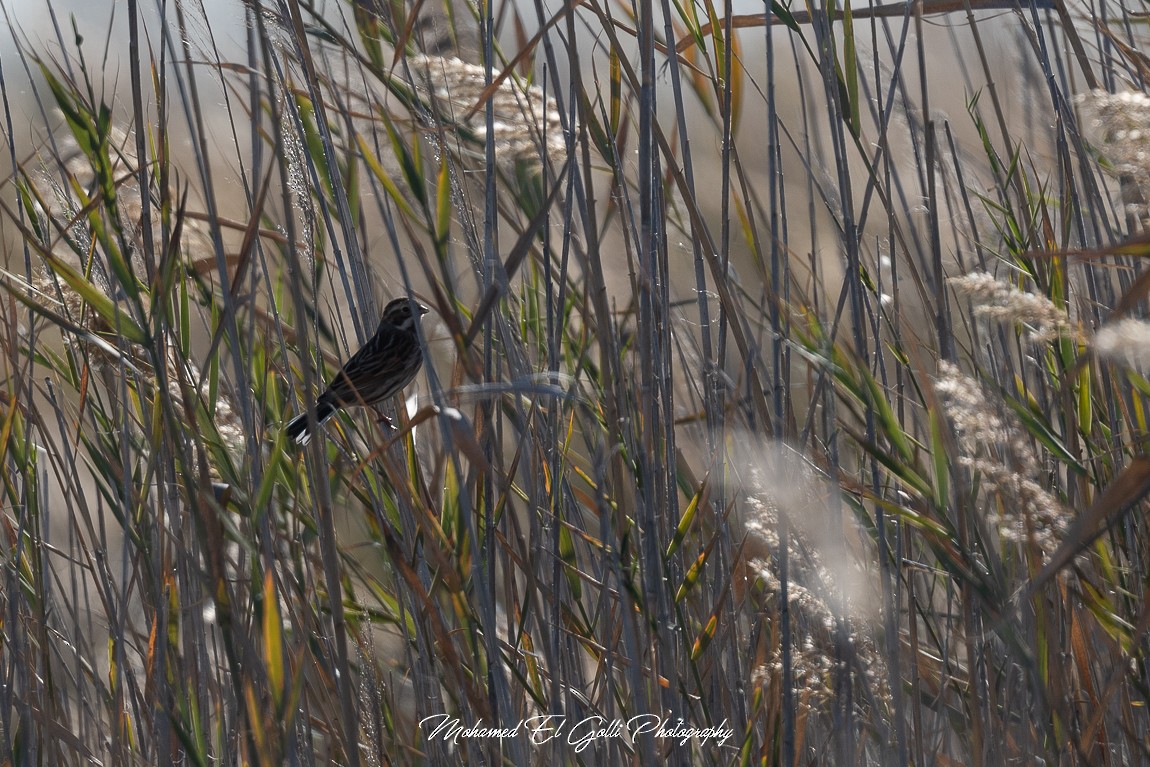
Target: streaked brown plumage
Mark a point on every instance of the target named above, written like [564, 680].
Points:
[383, 366]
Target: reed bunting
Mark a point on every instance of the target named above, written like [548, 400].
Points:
[383, 366]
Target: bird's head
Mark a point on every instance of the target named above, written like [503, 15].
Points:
[403, 313]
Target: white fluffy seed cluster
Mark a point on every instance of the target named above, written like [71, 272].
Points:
[1002, 302]
[1126, 342]
[526, 124]
[1118, 125]
[1000, 451]
[809, 580]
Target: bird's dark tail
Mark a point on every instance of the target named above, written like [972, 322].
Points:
[297, 428]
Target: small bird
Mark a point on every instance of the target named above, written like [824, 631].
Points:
[383, 366]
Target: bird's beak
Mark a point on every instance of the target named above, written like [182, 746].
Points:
[423, 309]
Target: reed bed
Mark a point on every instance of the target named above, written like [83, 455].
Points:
[784, 399]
